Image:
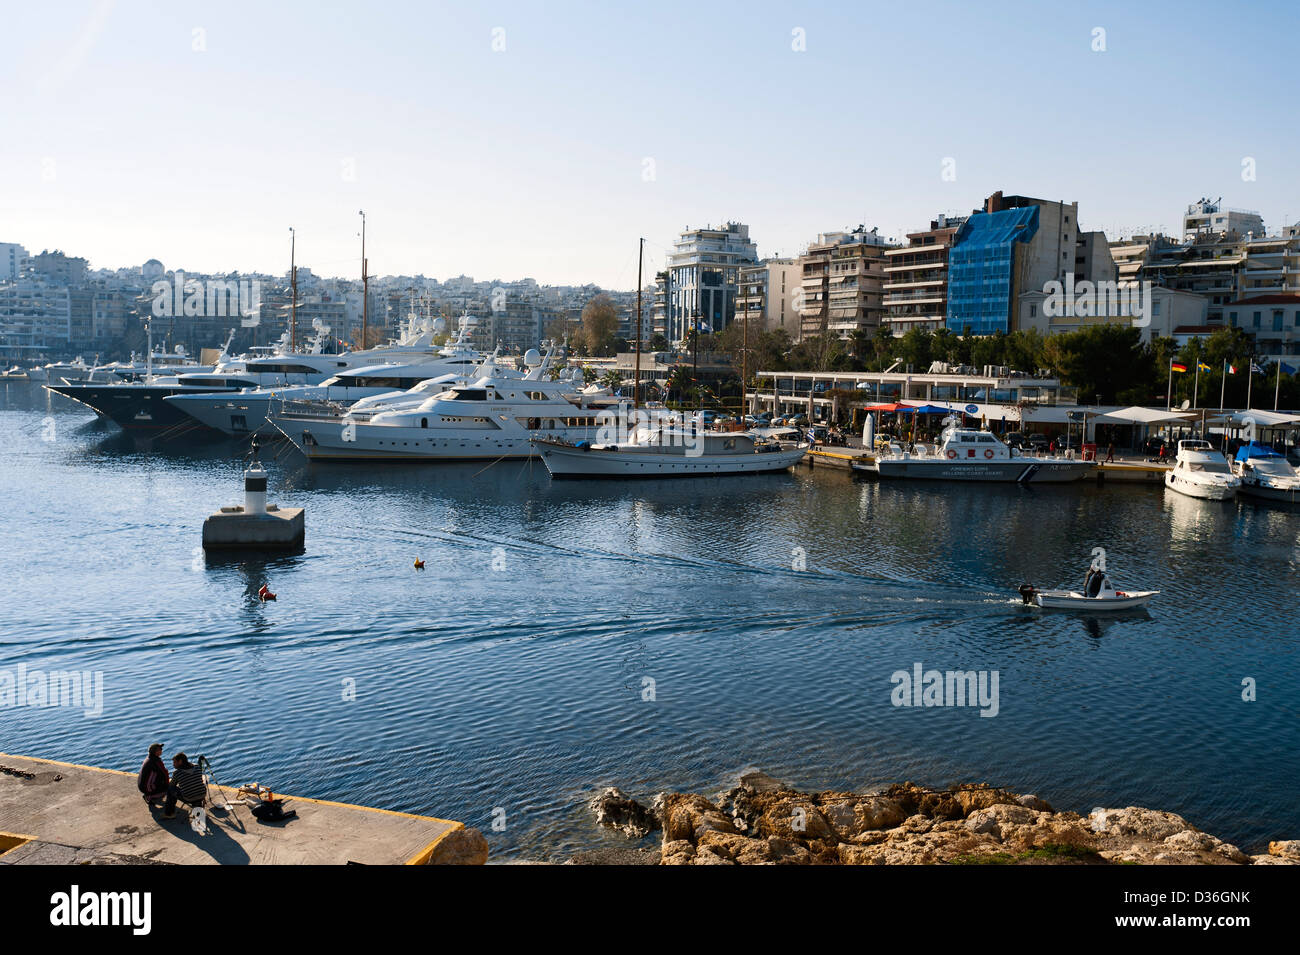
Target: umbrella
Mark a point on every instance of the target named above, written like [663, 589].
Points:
[893, 407]
[936, 409]
[869, 431]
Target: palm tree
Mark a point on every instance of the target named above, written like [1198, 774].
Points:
[679, 379]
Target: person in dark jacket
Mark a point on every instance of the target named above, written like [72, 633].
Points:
[153, 779]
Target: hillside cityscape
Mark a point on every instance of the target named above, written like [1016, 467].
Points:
[995, 287]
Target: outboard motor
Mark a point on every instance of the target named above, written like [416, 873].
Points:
[1027, 593]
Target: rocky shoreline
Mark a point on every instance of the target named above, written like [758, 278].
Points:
[763, 822]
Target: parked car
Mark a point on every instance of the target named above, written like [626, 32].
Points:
[1017, 440]
[1039, 441]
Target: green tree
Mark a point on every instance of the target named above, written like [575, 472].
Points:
[599, 324]
[915, 348]
[1101, 361]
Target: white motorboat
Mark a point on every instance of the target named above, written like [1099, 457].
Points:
[665, 448]
[1265, 473]
[1200, 471]
[967, 454]
[1098, 594]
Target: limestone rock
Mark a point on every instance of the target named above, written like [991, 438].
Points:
[1288, 849]
[614, 810]
[1151, 824]
[464, 846]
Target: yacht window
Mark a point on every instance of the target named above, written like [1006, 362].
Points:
[424, 422]
[1208, 467]
[470, 394]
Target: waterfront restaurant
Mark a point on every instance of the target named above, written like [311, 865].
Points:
[998, 395]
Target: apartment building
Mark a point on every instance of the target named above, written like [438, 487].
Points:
[703, 278]
[915, 285]
[1015, 244]
[841, 277]
[13, 257]
[766, 296]
[1211, 217]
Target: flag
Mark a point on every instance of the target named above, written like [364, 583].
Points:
[1203, 366]
[1232, 369]
[1287, 368]
[1177, 366]
[1255, 369]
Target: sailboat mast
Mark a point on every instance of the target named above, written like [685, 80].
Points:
[365, 285]
[636, 381]
[293, 284]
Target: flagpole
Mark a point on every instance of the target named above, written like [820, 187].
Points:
[1223, 384]
[1169, 390]
[1250, 379]
[1196, 387]
[1277, 387]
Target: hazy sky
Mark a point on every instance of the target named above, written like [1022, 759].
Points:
[198, 133]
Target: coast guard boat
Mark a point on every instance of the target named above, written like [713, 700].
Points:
[968, 454]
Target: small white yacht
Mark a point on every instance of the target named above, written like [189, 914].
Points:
[968, 454]
[1265, 473]
[665, 448]
[1200, 471]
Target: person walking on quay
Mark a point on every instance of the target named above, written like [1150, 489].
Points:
[1110, 452]
[153, 779]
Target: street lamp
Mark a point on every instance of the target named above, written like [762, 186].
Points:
[695, 353]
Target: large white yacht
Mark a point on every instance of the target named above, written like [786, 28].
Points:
[1200, 471]
[967, 454]
[142, 406]
[252, 411]
[1265, 473]
[488, 418]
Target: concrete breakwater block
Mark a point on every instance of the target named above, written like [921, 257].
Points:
[234, 528]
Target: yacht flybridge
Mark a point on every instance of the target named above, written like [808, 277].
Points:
[1200, 471]
[968, 454]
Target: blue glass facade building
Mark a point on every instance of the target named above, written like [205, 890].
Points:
[981, 269]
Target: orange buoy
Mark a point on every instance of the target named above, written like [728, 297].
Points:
[419, 564]
[265, 594]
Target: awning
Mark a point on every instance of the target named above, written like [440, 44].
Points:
[1261, 419]
[887, 408]
[1139, 415]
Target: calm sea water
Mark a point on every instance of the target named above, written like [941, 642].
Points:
[508, 679]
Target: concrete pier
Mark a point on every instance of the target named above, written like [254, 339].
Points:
[843, 458]
[72, 814]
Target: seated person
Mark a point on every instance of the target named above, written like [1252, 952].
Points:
[153, 779]
[187, 785]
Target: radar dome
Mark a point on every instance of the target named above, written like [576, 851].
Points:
[439, 325]
[533, 358]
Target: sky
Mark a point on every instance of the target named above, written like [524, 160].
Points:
[504, 140]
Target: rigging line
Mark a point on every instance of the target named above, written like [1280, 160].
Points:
[497, 461]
